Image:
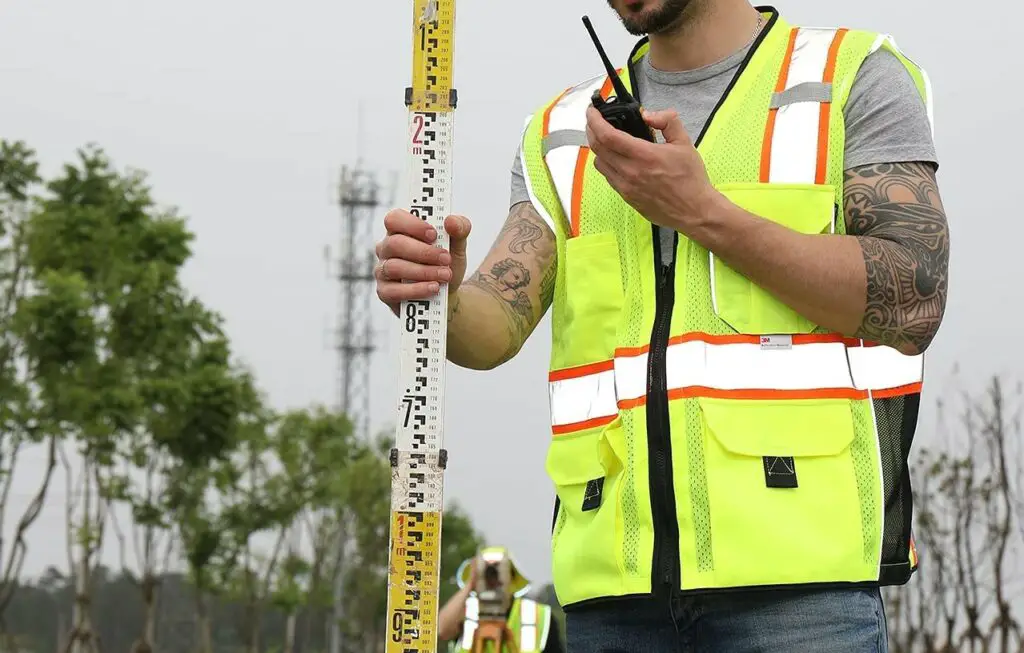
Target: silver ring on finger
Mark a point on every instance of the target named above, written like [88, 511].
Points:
[384, 270]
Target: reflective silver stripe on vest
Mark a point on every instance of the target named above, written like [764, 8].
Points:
[791, 366]
[794, 367]
[533, 632]
[527, 626]
[794, 147]
[582, 395]
[564, 138]
[469, 626]
[566, 112]
[569, 114]
[544, 626]
[806, 92]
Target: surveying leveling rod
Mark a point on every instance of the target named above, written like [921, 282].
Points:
[418, 459]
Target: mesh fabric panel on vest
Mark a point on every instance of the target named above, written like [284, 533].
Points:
[736, 159]
[605, 214]
[698, 486]
[863, 450]
[895, 442]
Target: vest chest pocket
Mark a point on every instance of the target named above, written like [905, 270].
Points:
[745, 306]
[593, 297]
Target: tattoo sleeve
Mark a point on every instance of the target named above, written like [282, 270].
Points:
[518, 274]
[896, 214]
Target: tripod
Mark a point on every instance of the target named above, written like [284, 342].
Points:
[496, 632]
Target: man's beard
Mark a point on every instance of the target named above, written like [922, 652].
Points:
[665, 19]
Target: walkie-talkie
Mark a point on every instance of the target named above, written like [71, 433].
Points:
[621, 109]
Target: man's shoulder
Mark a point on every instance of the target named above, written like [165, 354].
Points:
[884, 95]
[581, 88]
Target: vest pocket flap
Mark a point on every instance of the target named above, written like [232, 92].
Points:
[789, 428]
[807, 208]
[584, 456]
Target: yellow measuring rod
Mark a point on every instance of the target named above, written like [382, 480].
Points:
[418, 458]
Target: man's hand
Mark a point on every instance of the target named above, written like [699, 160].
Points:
[471, 585]
[665, 182]
[408, 253]
[493, 311]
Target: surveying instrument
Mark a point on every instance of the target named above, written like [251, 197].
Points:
[418, 458]
[496, 583]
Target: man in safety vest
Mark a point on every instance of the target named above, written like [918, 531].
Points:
[491, 608]
[739, 313]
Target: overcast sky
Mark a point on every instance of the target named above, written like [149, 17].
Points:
[243, 113]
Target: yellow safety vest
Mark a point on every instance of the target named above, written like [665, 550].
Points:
[705, 435]
[529, 621]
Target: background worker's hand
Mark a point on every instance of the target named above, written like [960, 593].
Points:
[408, 253]
[472, 574]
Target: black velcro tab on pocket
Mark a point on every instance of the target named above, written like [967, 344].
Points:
[779, 471]
[592, 495]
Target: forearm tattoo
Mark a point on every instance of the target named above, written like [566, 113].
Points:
[520, 280]
[896, 214]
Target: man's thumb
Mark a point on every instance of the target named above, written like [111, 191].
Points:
[668, 123]
[458, 228]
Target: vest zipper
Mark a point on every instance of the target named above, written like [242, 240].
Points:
[665, 569]
[665, 572]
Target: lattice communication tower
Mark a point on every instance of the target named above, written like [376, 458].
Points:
[360, 198]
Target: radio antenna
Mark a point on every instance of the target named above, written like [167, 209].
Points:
[620, 88]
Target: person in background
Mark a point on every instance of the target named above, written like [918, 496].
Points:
[497, 601]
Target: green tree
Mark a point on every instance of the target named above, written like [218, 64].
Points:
[219, 410]
[20, 418]
[76, 254]
[190, 396]
[261, 501]
[113, 329]
[315, 448]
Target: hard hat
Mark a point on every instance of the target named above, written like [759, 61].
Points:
[519, 584]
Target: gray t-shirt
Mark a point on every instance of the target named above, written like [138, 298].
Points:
[886, 118]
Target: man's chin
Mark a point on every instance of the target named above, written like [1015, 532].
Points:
[640, 19]
[634, 27]
[637, 23]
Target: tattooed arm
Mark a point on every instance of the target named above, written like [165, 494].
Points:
[896, 214]
[495, 310]
[885, 281]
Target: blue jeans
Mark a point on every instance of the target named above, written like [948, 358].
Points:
[763, 621]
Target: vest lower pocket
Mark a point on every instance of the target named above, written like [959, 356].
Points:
[593, 297]
[785, 499]
[586, 468]
[745, 306]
